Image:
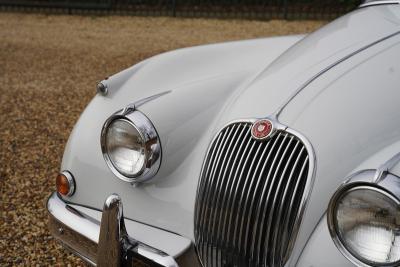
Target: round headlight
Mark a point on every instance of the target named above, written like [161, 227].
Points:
[364, 222]
[125, 147]
[131, 146]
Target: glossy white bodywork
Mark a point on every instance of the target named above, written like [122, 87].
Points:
[338, 86]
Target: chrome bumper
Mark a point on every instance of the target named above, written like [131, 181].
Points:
[106, 242]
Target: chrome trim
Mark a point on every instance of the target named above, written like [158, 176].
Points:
[299, 215]
[377, 2]
[71, 182]
[100, 242]
[253, 248]
[78, 244]
[238, 173]
[227, 188]
[149, 98]
[386, 167]
[151, 140]
[219, 184]
[387, 184]
[102, 88]
[112, 231]
[225, 237]
[271, 178]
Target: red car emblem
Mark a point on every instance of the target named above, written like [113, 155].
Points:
[262, 129]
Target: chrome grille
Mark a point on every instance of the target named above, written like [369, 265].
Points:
[250, 197]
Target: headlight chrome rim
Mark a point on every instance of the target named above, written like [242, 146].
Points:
[151, 141]
[333, 227]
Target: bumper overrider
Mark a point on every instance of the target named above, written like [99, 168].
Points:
[106, 242]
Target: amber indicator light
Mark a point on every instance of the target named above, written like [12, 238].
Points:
[65, 184]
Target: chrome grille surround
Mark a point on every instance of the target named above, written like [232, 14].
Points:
[243, 181]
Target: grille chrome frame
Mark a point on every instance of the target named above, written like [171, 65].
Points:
[208, 246]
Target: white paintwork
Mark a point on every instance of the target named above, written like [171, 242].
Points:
[347, 115]
[345, 105]
[321, 250]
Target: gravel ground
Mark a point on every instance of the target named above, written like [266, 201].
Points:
[49, 65]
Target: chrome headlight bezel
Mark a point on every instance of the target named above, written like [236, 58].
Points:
[332, 211]
[152, 145]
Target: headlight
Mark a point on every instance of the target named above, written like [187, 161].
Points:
[125, 147]
[130, 146]
[364, 221]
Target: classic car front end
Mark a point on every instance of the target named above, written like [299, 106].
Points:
[271, 152]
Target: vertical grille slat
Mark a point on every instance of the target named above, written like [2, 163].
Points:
[221, 196]
[237, 201]
[208, 185]
[233, 197]
[242, 201]
[248, 204]
[228, 212]
[274, 204]
[286, 174]
[218, 188]
[255, 228]
[211, 193]
[288, 231]
[262, 209]
[209, 159]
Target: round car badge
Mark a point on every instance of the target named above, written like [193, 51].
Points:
[262, 129]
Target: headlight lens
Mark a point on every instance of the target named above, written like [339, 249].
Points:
[366, 221]
[125, 147]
